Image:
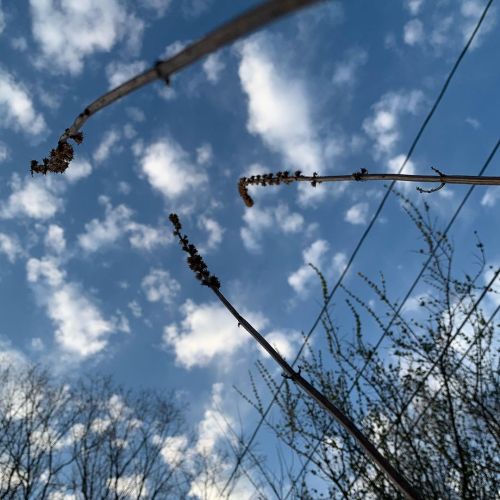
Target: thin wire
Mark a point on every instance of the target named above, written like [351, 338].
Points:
[367, 230]
[408, 294]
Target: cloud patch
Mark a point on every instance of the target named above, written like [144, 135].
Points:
[16, 106]
[206, 333]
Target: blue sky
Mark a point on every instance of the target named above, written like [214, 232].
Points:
[91, 279]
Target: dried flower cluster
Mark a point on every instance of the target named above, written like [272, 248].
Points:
[60, 157]
[270, 179]
[195, 260]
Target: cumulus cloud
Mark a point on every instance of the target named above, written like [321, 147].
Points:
[117, 223]
[158, 285]
[214, 230]
[4, 152]
[414, 6]
[285, 342]
[490, 197]
[54, 239]
[10, 247]
[383, 124]
[119, 72]
[106, 146]
[258, 220]
[206, 333]
[79, 169]
[278, 107]
[68, 32]
[204, 154]
[168, 169]
[32, 197]
[213, 66]
[159, 6]
[81, 329]
[344, 74]
[413, 32]
[300, 279]
[16, 106]
[357, 214]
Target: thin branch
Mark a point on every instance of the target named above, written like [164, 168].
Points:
[274, 179]
[197, 264]
[242, 25]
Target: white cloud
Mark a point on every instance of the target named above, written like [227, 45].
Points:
[159, 6]
[117, 223]
[204, 154]
[413, 32]
[173, 450]
[10, 246]
[473, 122]
[383, 125]
[54, 239]
[194, 8]
[210, 428]
[174, 48]
[285, 342]
[119, 72]
[300, 279]
[214, 230]
[158, 285]
[81, 329]
[207, 333]
[144, 237]
[78, 170]
[168, 169]
[16, 107]
[4, 152]
[33, 197]
[357, 214]
[471, 11]
[101, 233]
[397, 161]
[213, 66]
[258, 220]
[106, 146]
[345, 71]
[278, 107]
[134, 486]
[135, 308]
[70, 31]
[491, 197]
[414, 6]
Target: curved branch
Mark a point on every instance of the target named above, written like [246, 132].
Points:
[225, 34]
[274, 179]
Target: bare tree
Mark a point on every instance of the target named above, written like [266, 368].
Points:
[429, 401]
[93, 440]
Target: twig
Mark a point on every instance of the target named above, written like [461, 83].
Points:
[197, 264]
[242, 25]
[285, 177]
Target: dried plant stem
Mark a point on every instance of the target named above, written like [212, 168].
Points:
[198, 266]
[225, 34]
[363, 175]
